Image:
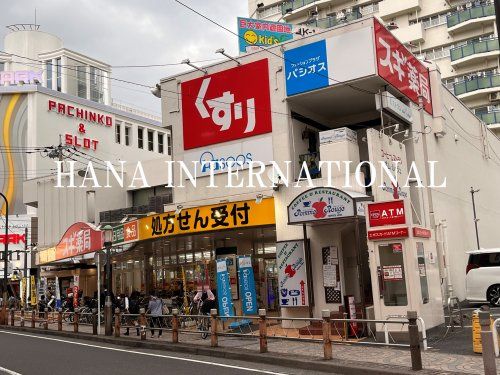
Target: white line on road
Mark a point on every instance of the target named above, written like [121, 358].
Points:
[141, 353]
[7, 371]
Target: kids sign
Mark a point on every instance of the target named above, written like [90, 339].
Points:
[221, 107]
[400, 68]
[320, 204]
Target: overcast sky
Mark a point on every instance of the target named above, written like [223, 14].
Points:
[134, 32]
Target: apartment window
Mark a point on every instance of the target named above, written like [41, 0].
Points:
[81, 77]
[140, 137]
[127, 135]
[48, 71]
[96, 85]
[58, 74]
[150, 140]
[438, 53]
[160, 142]
[118, 132]
[2, 66]
[368, 9]
[169, 144]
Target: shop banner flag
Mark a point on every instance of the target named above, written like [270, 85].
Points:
[34, 301]
[58, 294]
[224, 289]
[247, 286]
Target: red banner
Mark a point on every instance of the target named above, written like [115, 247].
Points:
[421, 232]
[400, 68]
[228, 105]
[80, 238]
[383, 234]
[386, 213]
[13, 238]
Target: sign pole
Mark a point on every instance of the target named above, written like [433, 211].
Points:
[98, 265]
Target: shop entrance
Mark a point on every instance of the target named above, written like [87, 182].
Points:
[172, 266]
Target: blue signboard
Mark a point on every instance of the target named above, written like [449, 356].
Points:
[306, 68]
[247, 286]
[224, 296]
[254, 33]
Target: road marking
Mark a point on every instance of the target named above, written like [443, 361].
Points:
[7, 371]
[142, 353]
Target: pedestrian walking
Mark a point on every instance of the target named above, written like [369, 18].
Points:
[155, 308]
[133, 310]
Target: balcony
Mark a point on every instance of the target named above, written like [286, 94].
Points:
[477, 86]
[411, 34]
[393, 8]
[326, 23]
[471, 18]
[292, 5]
[473, 52]
[492, 119]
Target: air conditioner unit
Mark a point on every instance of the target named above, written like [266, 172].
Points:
[495, 96]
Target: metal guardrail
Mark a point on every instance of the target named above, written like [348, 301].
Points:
[330, 22]
[474, 12]
[291, 5]
[475, 47]
[492, 117]
[476, 83]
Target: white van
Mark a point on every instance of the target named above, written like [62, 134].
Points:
[482, 276]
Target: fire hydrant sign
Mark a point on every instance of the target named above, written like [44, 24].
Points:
[292, 274]
[225, 106]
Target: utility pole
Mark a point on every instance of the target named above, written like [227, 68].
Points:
[25, 272]
[5, 260]
[472, 192]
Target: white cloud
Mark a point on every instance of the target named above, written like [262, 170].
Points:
[132, 32]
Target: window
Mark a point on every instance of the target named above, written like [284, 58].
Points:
[485, 259]
[150, 140]
[81, 77]
[140, 137]
[127, 135]
[58, 74]
[269, 11]
[48, 71]
[424, 288]
[96, 85]
[118, 132]
[392, 275]
[169, 144]
[160, 142]
[2, 66]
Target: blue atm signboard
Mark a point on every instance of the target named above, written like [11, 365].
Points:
[306, 68]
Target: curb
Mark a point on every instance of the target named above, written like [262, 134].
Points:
[337, 366]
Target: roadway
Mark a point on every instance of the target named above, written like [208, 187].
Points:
[27, 353]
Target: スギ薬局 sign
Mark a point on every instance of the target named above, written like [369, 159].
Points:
[225, 106]
[401, 68]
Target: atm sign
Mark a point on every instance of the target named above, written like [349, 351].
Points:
[386, 213]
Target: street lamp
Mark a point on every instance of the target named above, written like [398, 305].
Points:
[108, 311]
[5, 260]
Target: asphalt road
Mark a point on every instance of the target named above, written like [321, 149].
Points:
[26, 354]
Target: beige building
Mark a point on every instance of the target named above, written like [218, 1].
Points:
[459, 36]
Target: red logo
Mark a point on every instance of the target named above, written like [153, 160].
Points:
[228, 105]
[383, 234]
[421, 232]
[319, 207]
[400, 68]
[130, 232]
[290, 271]
[386, 213]
[13, 238]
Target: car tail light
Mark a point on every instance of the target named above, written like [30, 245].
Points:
[470, 266]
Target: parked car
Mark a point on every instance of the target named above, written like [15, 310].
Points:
[482, 276]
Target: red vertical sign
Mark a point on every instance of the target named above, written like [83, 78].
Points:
[400, 68]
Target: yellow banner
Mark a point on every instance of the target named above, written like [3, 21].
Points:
[46, 255]
[33, 288]
[217, 217]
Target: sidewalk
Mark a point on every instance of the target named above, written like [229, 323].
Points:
[347, 358]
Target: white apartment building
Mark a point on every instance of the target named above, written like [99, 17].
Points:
[459, 36]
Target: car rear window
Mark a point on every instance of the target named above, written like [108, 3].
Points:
[485, 260]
